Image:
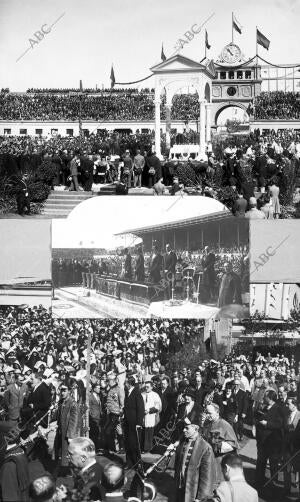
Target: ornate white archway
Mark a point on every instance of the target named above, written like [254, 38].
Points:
[173, 74]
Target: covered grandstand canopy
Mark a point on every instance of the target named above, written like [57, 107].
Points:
[105, 221]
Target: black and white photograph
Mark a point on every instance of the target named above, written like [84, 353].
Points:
[182, 258]
[149, 314]
[206, 102]
[25, 263]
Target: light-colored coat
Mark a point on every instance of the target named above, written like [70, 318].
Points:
[151, 400]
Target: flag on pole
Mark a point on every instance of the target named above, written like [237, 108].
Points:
[112, 77]
[236, 25]
[163, 56]
[262, 40]
[206, 41]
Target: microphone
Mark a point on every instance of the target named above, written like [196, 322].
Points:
[171, 448]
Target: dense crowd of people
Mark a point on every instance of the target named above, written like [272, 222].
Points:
[207, 275]
[139, 401]
[128, 104]
[277, 105]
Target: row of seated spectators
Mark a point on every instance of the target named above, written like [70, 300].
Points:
[127, 90]
[277, 105]
[126, 105]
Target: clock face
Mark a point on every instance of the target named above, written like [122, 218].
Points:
[231, 54]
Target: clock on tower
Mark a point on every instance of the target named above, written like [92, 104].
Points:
[231, 54]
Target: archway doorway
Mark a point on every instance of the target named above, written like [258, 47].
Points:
[176, 72]
[232, 119]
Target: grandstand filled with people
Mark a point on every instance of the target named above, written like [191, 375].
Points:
[257, 174]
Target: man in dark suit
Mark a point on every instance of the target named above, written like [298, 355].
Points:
[140, 266]
[75, 162]
[127, 265]
[240, 206]
[241, 400]
[168, 403]
[199, 390]
[87, 166]
[230, 287]
[40, 398]
[14, 398]
[95, 414]
[134, 411]
[170, 260]
[156, 266]
[22, 197]
[154, 169]
[269, 426]
[87, 472]
[195, 466]
[67, 419]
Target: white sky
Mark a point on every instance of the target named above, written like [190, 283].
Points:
[274, 251]
[94, 222]
[93, 34]
[25, 249]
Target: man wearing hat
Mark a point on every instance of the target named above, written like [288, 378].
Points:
[195, 467]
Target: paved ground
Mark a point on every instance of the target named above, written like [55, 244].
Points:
[66, 308]
[97, 305]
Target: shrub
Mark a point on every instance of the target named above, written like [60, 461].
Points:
[186, 175]
[38, 191]
[190, 356]
[227, 196]
[46, 172]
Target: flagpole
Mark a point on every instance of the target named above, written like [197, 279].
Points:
[232, 27]
[256, 52]
[205, 44]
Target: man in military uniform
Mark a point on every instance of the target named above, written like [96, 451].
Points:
[114, 408]
[22, 197]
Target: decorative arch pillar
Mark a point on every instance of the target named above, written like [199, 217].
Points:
[157, 126]
[208, 122]
[169, 97]
[202, 123]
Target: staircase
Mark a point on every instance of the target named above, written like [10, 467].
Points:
[60, 203]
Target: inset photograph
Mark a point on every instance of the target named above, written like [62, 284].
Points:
[25, 262]
[277, 301]
[180, 258]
